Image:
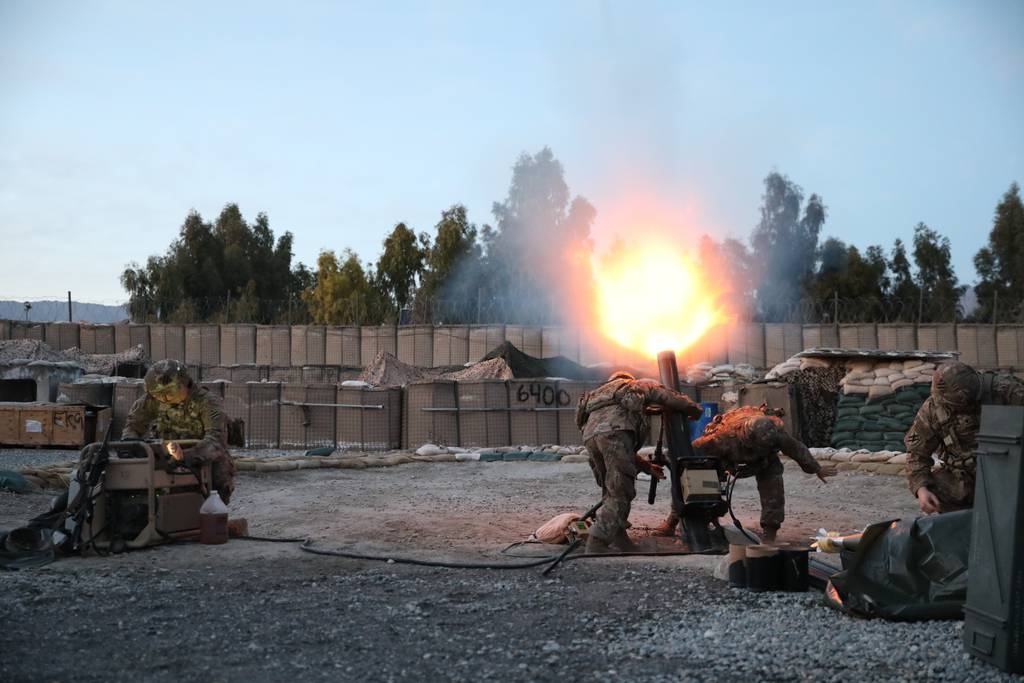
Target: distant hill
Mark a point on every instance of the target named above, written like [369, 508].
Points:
[57, 311]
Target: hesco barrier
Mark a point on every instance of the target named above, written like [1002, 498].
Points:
[492, 412]
[451, 345]
[936, 337]
[280, 415]
[416, 345]
[820, 336]
[484, 338]
[377, 339]
[527, 339]
[125, 395]
[342, 346]
[861, 336]
[122, 338]
[281, 346]
[897, 337]
[1010, 345]
[90, 393]
[977, 345]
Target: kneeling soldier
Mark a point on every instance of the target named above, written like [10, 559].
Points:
[175, 408]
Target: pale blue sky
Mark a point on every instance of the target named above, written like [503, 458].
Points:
[340, 119]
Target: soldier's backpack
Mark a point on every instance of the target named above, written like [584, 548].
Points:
[607, 394]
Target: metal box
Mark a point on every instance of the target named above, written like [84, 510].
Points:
[994, 625]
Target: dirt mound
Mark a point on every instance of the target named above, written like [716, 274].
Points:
[388, 371]
[495, 368]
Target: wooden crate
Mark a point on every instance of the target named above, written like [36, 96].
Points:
[51, 424]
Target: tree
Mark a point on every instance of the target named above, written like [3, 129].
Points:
[539, 252]
[1000, 264]
[400, 264]
[343, 293]
[786, 244]
[452, 270]
[208, 266]
[904, 293]
[860, 281]
[733, 266]
[939, 290]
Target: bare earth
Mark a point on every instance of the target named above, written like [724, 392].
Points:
[262, 611]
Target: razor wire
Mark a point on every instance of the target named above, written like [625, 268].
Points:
[483, 308]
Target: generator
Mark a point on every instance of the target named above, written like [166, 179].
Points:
[133, 494]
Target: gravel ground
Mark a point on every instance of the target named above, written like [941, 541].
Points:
[19, 458]
[260, 611]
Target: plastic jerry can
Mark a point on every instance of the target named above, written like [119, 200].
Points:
[213, 520]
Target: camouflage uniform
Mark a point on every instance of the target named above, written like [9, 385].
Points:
[947, 426]
[614, 425]
[748, 441]
[200, 416]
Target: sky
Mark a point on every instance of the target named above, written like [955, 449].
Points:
[341, 119]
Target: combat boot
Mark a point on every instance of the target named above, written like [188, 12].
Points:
[623, 543]
[596, 546]
[666, 528]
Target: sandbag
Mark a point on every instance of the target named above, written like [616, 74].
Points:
[870, 436]
[889, 423]
[848, 424]
[553, 530]
[842, 436]
[898, 410]
[872, 410]
[849, 411]
[896, 437]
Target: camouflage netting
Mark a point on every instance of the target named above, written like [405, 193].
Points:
[817, 390]
[93, 363]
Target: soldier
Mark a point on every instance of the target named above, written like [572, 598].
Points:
[748, 441]
[614, 424]
[174, 407]
[947, 426]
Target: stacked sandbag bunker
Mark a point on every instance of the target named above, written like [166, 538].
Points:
[878, 401]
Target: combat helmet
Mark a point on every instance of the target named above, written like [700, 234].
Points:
[620, 374]
[956, 385]
[167, 378]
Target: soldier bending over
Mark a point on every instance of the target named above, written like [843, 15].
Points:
[614, 426]
[748, 441]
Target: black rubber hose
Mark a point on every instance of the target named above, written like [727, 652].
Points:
[307, 546]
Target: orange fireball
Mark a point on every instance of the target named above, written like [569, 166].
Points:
[653, 297]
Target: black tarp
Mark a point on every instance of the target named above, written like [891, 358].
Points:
[524, 365]
[907, 570]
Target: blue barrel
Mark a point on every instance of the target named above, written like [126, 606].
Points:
[709, 410]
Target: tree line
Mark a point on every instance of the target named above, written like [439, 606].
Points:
[537, 254]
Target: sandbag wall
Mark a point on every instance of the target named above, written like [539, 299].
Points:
[878, 425]
[758, 344]
[878, 402]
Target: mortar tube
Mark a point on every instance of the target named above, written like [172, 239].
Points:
[695, 526]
